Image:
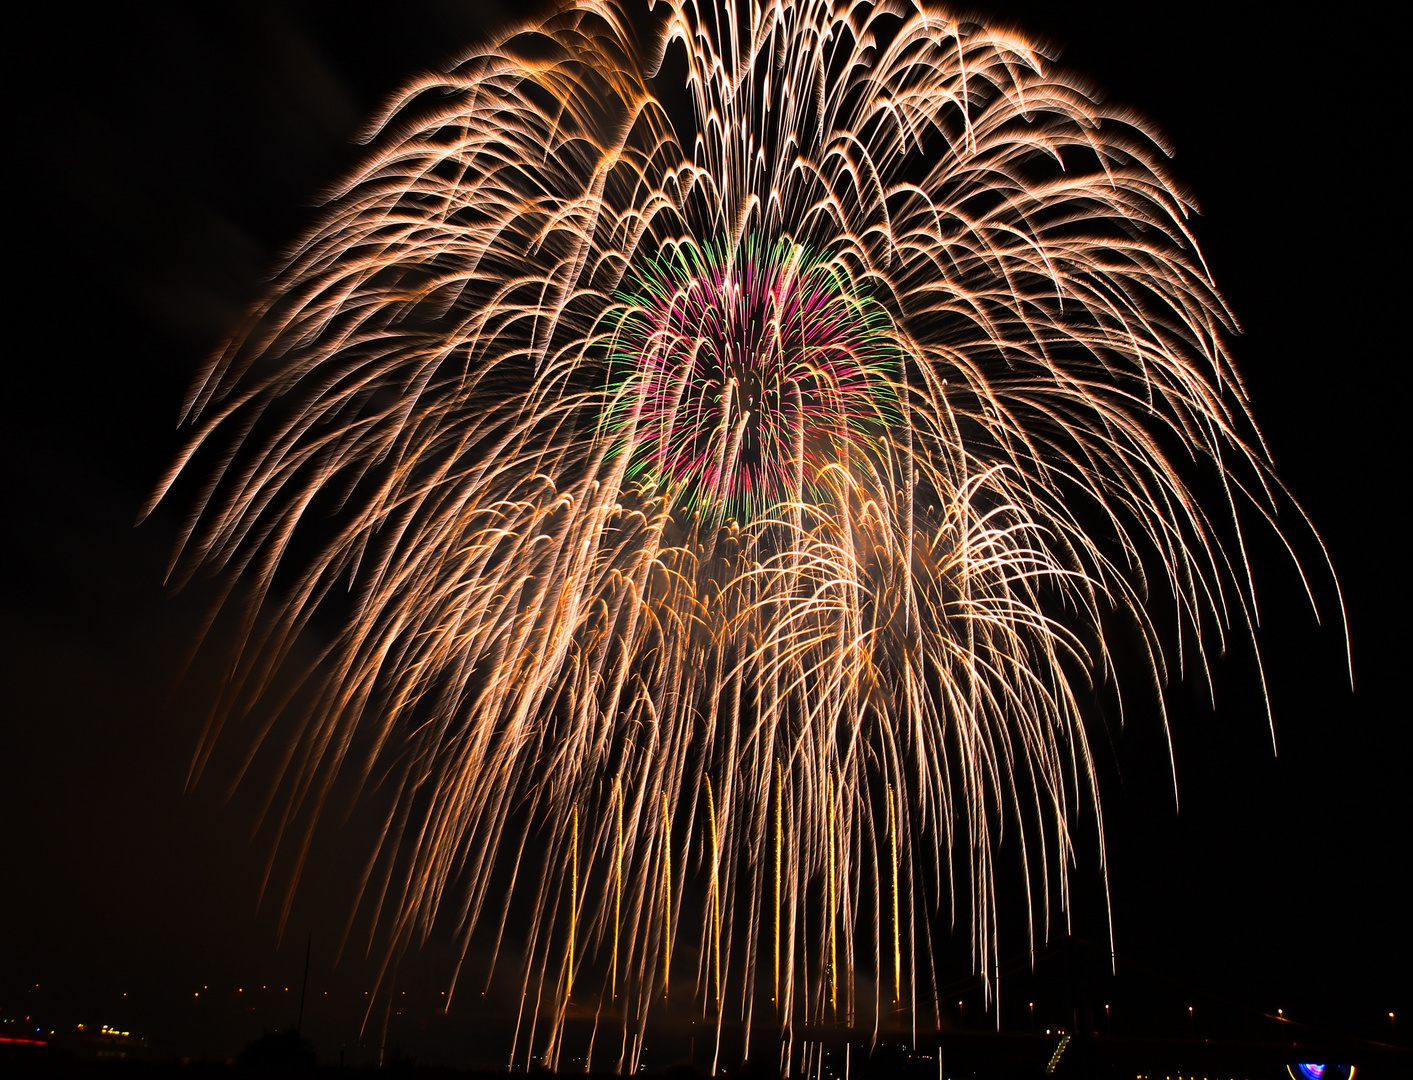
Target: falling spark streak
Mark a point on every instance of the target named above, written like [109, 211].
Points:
[833, 913]
[573, 902]
[666, 897]
[617, 885]
[815, 423]
[893, 866]
[715, 896]
[779, 834]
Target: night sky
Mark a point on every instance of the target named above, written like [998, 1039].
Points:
[162, 154]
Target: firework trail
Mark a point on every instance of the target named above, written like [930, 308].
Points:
[728, 514]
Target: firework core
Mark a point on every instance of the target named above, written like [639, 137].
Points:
[739, 376]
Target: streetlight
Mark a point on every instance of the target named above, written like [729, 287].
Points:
[1192, 1021]
[1032, 1016]
[1108, 1022]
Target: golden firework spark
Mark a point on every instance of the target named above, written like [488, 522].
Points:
[789, 456]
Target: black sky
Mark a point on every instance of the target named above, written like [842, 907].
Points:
[160, 155]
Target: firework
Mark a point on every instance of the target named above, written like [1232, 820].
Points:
[723, 512]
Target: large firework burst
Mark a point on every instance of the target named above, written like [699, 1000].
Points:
[733, 503]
